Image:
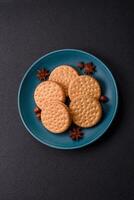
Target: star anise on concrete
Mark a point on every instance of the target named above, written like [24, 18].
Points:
[42, 74]
[37, 112]
[89, 68]
[76, 133]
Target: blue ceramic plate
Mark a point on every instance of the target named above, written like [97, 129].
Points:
[26, 102]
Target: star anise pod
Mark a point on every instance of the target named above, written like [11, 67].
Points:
[42, 74]
[37, 112]
[103, 99]
[89, 68]
[80, 65]
[76, 133]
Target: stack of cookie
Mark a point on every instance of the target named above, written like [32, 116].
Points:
[84, 92]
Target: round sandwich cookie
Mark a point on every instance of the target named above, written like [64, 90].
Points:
[55, 116]
[63, 75]
[48, 90]
[84, 85]
[85, 111]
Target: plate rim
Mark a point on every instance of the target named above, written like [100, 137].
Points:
[86, 143]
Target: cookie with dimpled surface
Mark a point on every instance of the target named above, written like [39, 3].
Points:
[48, 90]
[84, 85]
[55, 116]
[63, 75]
[85, 111]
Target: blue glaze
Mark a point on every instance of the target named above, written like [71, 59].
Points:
[26, 102]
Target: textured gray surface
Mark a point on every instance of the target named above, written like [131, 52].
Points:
[30, 170]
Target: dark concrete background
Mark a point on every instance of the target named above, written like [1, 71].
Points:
[30, 170]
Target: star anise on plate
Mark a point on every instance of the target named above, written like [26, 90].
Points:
[80, 65]
[103, 99]
[76, 133]
[42, 74]
[37, 112]
[89, 68]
